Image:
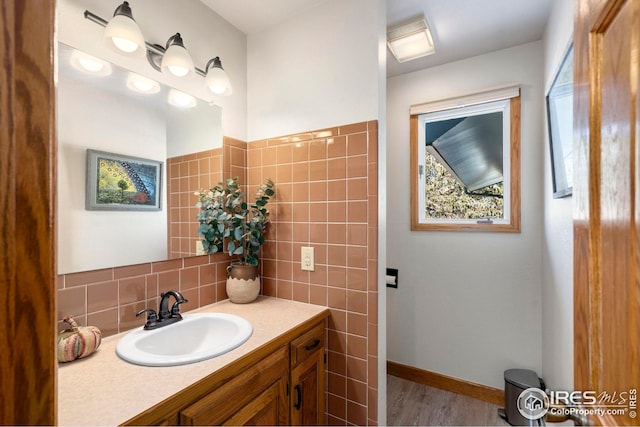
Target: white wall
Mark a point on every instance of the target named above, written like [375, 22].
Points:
[557, 253]
[382, 212]
[89, 240]
[205, 35]
[192, 130]
[322, 68]
[318, 69]
[468, 304]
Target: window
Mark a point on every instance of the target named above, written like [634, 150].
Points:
[465, 163]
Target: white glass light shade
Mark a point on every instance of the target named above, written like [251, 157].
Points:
[181, 99]
[123, 34]
[177, 61]
[412, 47]
[410, 41]
[217, 81]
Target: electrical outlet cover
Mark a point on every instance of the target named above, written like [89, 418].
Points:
[307, 257]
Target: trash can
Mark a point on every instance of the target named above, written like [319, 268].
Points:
[515, 382]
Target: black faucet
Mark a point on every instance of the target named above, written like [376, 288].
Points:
[164, 316]
[164, 313]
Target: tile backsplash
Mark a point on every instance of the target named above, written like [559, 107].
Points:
[326, 198]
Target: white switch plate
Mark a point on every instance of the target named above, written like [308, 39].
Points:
[307, 256]
[200, 248]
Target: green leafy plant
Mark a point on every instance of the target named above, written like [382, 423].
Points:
[226, 216]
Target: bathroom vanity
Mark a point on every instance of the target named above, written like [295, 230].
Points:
[277, 377]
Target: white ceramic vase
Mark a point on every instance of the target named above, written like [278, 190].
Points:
[243, 283]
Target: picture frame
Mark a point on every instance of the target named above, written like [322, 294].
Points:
[559, 102]
[117, 182]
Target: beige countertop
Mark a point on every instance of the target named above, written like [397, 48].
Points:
[102, 389]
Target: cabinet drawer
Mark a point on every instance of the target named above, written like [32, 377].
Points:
[306, 344]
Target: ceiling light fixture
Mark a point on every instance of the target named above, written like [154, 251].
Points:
[410, 40]
[174, 59]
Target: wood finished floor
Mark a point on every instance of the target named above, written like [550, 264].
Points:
[413, 404]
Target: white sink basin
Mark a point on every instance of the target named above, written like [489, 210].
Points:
[195, 338]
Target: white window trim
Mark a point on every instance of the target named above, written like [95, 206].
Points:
[496, 93]
[503, 106]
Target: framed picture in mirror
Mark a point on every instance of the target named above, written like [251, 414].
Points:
[119, 182]
[560, 126]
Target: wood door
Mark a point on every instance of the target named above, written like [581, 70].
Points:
[27, 205]
[307, 391]
[607, 199]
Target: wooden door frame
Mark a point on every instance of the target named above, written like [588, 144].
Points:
[590, 17]
[27, 213]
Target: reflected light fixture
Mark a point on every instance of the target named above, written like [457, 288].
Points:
[174, 59]
[90, 64]
[410, 40]
[140, 84]
[123, 33]
[217, 80]
[181, 99]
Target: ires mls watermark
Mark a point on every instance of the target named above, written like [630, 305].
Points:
[534, 403]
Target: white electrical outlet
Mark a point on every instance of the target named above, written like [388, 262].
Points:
[307, 256]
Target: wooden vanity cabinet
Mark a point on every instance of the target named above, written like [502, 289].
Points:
[307, 400]
[285, 387]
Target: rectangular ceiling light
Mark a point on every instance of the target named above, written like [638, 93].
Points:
[410, 40]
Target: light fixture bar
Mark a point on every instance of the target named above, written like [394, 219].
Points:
[153, 48]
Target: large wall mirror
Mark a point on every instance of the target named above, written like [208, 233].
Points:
[114, 110]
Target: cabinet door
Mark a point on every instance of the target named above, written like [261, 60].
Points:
[268, 409]
[257, 394]
[307, 394]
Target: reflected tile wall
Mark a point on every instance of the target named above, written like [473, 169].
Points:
[235, 159]
[189, 173]
[185, 175]
[326, 198]
[110, 298]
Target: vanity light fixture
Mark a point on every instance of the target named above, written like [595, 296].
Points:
[216, 79]
[410, 40]
[123, 33]
[174, 59]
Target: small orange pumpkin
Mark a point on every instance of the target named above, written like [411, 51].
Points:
[78, 341]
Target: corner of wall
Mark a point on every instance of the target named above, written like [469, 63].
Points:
[557, 256]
